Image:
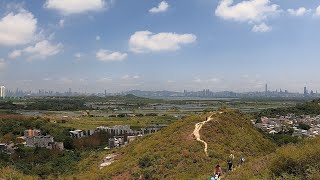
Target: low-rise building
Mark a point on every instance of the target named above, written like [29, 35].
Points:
[77, 133]
[32, 133]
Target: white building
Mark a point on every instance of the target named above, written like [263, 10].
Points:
[2, 92]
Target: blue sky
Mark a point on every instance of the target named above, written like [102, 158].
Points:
[120, 45]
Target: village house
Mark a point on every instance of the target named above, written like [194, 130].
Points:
[77, 133]
[34, 138]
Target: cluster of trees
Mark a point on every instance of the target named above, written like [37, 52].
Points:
[40, 161]
[46, 104]
[309, 108]
[57, 105]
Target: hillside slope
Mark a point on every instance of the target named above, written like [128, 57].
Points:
[173, 153]
[295, 162]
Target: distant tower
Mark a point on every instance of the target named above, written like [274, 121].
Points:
[266, 90]
[305, 91]
[2, 92]
[105, 93]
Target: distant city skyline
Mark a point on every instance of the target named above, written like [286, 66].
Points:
[190, 93]
[223, 45]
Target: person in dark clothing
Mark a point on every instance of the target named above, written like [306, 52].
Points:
[230, 165]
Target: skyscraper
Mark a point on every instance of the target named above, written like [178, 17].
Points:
[305, 91]
[266, 90]
[2, 92]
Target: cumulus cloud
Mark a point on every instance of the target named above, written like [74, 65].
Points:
[17, 29]
[146, 41]
[162, 7]
[68, 7]
[106, 55]
[14, 54]
[317, 13]
[246, 11]
[298, 12]
[41, 50]
[261, 28]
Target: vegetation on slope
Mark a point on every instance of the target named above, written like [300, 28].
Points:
[173, 153]
[301, 161]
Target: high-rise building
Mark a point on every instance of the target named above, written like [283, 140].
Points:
[266, 90]
[305, 91]
[2, 92]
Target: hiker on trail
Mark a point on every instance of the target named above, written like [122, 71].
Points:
[230, 165]
[217, 172]
[231, 157]
[242, 160]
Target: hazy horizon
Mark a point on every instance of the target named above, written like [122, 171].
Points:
[116, 45]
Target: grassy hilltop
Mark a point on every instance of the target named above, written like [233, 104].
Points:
[173, 153]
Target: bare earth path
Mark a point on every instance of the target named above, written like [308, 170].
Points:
[197, 129]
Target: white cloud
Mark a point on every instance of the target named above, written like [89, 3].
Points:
[317, 13]
[98, 38]
[61, 23]
[206, 81]
[14, 54]
[125, 77]
[145, 41]
[298, 12]
[162, 7]
[78, 56]
[261, 28]
[3, 64]
[17, 29]
[40, 50]
[43, 49]
[128, 77]
[106, 55]
[246, 11]
[68, 7]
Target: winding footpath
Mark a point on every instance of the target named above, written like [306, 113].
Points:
[196, 131]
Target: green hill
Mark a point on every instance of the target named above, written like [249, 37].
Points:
[173, 153]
